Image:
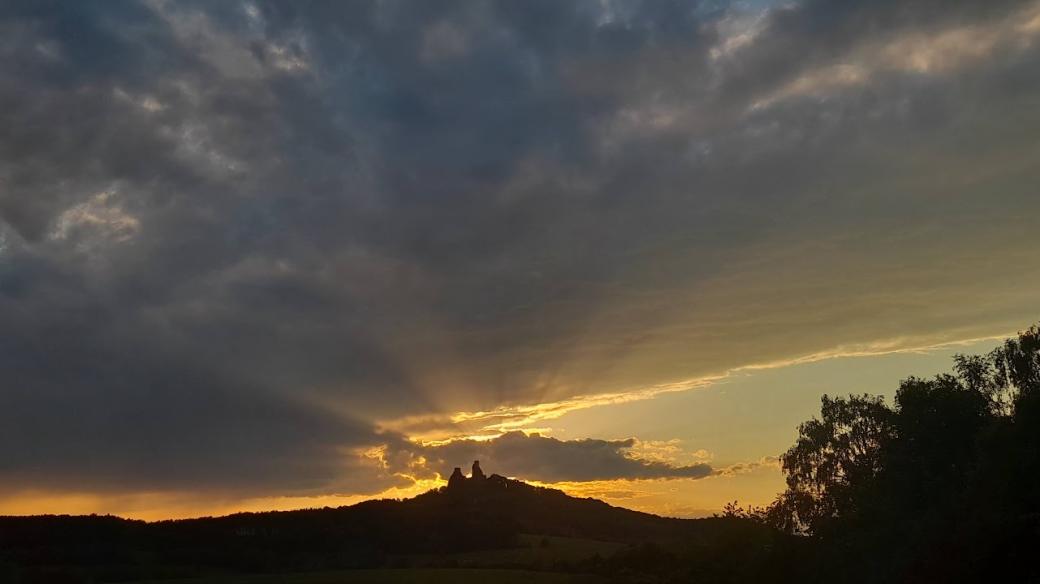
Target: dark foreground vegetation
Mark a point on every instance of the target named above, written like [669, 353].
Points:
[942, 486]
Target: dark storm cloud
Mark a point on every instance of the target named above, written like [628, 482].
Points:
[546, 459]
[235, 237]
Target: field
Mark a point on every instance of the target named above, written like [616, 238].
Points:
[409, 576]
[534, 552]
[530, 562]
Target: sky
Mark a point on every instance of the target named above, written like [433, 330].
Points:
[270, 255]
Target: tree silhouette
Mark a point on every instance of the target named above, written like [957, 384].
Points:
[835, 458]
[943, 486]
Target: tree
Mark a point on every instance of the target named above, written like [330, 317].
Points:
[1016, 365]
[835, 460]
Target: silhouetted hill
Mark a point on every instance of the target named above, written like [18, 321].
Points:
[529, 509]
[476, 514]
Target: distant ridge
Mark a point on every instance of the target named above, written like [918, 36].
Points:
[476, 513]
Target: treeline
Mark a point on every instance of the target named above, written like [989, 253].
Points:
[941, 486]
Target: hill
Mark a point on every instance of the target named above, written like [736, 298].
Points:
[477, 521]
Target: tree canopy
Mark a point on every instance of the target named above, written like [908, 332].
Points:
[941, 484]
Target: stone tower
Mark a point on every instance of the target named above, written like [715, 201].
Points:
[456, 479]
[477, 473]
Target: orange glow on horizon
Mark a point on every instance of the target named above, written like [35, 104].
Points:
[160, 506]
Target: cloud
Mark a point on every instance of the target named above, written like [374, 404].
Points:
[239, 243]
[441, 427]
[942, 50]
[97, 216]
[746, 467]
[547, 459]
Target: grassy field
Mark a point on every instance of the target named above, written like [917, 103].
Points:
[534, 551]
[532, 561]
[409, 576]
